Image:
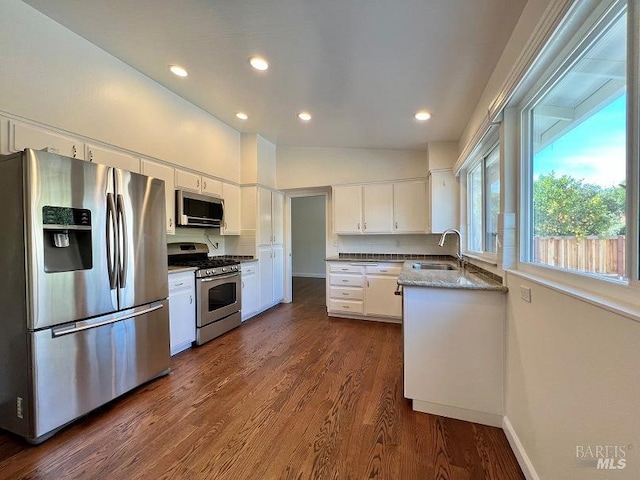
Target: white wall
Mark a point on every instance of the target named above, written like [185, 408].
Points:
[573, 378]
[308, 233]
[304, 167]
[53, 76]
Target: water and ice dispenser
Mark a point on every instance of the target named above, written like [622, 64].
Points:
[67, 239]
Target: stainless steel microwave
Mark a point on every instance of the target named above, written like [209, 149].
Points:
[195, 210]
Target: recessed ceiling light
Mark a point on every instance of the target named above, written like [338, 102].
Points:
[178, 70]
[304, 116]
[422, 116]
[258, 63]
[242, 116]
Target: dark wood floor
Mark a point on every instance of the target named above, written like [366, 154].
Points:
[309, 290]
[291, 394]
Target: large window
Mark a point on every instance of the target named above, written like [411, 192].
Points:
[483, 187]
[577, 138]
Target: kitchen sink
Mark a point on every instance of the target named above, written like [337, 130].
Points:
[433, 266]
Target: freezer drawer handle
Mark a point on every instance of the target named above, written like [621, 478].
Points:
[60, 331]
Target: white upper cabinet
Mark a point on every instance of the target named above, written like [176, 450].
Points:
[381, 208]
[231, 196]
[347, 209]
[277, 217]
[165, 173]
[25, 135]
[443, 192]
[197, 183]
[410, 213]
[265, 233]
[377, 208]
[112, 158]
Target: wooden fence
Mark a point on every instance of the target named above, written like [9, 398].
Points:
[602, 255]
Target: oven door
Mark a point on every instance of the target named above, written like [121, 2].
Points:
[218, 297]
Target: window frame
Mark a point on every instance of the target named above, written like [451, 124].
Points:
[491, 144]
[565, 57]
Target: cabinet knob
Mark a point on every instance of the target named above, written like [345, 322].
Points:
[204, 185]
[358, 225]
[365, 225]
[90, 155]
[74, 151]
[190, 299]
[171, 222]
[198, 183]
[396, 225]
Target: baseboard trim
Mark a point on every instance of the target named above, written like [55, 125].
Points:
[519, 451]
[310, 275]
[363, 317]
[483, 418]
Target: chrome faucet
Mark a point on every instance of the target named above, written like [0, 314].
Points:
[459, 252]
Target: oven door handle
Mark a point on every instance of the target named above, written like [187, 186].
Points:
[219, 277]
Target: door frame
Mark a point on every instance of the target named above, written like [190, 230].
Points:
[288, 267]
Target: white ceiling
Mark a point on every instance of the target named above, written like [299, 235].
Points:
[361, 67]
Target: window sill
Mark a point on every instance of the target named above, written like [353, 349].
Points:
[619, 307]
[489, 260]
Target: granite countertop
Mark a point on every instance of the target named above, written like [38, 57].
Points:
[459, 278]
[177, 269]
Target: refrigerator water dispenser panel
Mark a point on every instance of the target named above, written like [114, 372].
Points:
[67, 239]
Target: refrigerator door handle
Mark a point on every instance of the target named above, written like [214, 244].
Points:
[86, 325]
[123, 240]
[111, 233]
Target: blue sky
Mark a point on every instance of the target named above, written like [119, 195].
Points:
[594, 150]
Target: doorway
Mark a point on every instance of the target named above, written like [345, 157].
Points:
[308, 249]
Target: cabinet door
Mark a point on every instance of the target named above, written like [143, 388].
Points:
[347, 209]
[188, 181]
[165, 173]
[443, 197]
[379, 297]
[278, 273]
[231, 196]
[112, 158]
[377, 208]
[265, 277]
[265, 234]
[182, 320]
[410, 214]
[277, 217]
[249, 295]
[211, 186]
[24, 135]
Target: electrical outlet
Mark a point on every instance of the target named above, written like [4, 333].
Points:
[525, 293]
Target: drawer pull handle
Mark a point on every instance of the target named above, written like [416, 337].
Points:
[345, 281]
[178, 284]
[345, 294]
[346, 306]
[345, 269]
[383, 270]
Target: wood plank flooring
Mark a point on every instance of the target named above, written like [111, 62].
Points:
[309, 290]
[291, 394]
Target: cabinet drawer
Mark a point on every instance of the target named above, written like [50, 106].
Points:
[347, 280]
[181, 281]
[248, 270]
[347, 306]
[393, 269]
[346, 293]
[345, 268]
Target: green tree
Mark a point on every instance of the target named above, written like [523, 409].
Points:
[566, 206]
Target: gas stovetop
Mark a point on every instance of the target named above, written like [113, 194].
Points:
[196, 255]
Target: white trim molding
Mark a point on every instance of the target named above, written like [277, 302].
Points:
[519, 451]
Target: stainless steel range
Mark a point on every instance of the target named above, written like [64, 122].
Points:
[218, 289]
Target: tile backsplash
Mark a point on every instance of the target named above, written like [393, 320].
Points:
[399, 244]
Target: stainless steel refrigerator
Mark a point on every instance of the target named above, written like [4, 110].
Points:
[83, 288]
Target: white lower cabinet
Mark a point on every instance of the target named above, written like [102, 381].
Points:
[182, 310]
[365, 290]
[454, 352]
[270, 276]
[249, 290]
